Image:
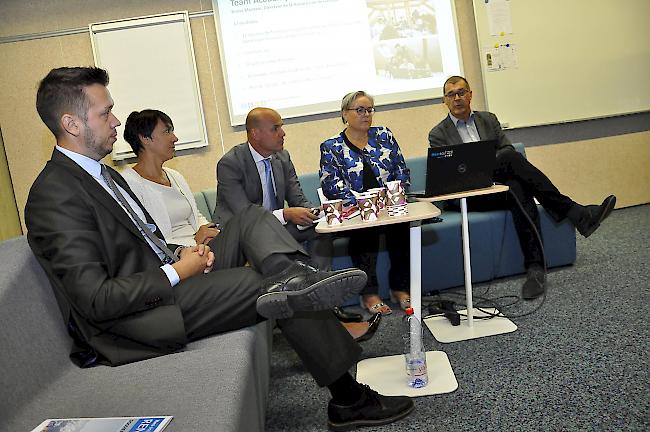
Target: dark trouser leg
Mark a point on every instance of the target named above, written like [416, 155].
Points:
[363, 247]
[318, 246]
[218, 302]
[224, 300]
[399, 251]
[528, 242]
[252, 235]
[326, 349]
[511, 165]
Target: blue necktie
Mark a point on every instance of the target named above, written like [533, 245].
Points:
[271, 202]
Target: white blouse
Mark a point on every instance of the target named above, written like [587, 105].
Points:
[173, 209]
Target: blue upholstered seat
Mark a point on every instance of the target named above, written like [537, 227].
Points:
[494, 245]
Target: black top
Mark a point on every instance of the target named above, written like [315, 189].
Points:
[369, 179]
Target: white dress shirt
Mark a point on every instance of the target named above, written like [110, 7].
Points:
[94, 168]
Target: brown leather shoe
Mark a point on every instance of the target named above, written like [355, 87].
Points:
[301, 287]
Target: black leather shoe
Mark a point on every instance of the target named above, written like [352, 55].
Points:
[372, 409]
[535, 283]
[301, 287]
[346, 317]
[373, 325]
[592, 216]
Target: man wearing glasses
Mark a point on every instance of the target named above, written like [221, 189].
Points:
[526, 182]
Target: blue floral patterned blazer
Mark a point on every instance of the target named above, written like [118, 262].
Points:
[341, 169]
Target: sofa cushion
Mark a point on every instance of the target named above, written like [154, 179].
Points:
[218, 384]
[202, 205]
[310, 183]
[210, 196]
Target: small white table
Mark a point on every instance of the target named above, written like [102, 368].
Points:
[440, 327]
[387, 375]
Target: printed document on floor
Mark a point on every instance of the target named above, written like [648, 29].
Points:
[109, 424]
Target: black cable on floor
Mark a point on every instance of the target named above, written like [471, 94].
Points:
[491, 302]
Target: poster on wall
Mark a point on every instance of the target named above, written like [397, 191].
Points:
[150, 61]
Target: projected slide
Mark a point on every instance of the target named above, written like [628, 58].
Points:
[301, 56]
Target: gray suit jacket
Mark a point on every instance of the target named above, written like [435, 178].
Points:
[487, 124]
[239, 185]
[116, 301]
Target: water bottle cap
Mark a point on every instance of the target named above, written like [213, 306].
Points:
[409, 311]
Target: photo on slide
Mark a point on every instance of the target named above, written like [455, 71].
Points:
[405, 39]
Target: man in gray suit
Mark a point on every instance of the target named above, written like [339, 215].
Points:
[526, 182]
[127, 295]
[242, 176]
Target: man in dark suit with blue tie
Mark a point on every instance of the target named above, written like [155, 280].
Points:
[126, 295]
[526, 182]
[260, 171]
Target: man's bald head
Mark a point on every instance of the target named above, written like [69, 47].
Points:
[256, 115]
[264, 131]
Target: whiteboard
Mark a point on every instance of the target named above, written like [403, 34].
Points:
[150, 61]
[565, 60]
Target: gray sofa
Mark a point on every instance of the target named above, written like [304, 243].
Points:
[216, 384]
[494, 245]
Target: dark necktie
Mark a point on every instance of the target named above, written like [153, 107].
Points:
[169, 255]
[272, 201]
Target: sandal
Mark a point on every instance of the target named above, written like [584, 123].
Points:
[404, 303]
[380, 307]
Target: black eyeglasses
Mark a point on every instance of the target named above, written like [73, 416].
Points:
[362, 110]
[460, 93]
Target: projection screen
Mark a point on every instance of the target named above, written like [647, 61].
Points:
[301, 57]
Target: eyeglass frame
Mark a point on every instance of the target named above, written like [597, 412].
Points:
[363, 110]
[452, 95]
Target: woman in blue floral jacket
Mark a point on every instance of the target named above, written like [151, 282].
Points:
[363, 157]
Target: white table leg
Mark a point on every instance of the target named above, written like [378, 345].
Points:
[386, 374]
[415, 234]
[467, 263]
[442, 329]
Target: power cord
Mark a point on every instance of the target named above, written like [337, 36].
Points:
[447, 307]
[481, 305]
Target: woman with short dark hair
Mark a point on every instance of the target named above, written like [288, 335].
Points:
[163, 191]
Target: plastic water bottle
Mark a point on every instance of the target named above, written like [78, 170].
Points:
[415, 356]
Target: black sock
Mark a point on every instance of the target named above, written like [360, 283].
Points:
[345, 390]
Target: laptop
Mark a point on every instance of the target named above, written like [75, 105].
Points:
[460, 167]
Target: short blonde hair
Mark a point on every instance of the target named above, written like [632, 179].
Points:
[349, 99]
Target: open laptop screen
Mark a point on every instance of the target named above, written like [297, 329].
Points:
[460, 167]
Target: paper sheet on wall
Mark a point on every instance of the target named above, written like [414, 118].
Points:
[500, 58]
[499, 17]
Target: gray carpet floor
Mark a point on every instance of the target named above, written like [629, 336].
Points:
[578, 363]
